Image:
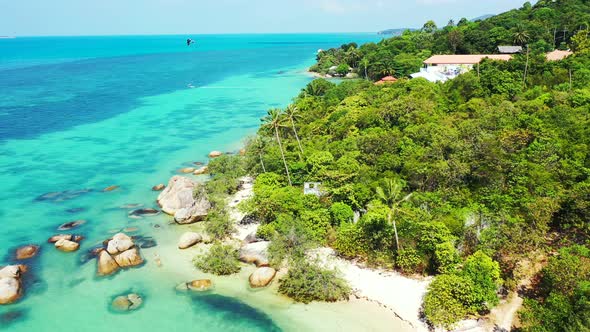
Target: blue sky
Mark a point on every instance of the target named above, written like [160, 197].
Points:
[105, 17]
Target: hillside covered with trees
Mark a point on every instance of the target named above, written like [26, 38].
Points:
[472, 181]
[547, 25]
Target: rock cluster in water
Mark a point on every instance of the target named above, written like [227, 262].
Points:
[128, 302]
[66, 242]
[120, 252]
[185, 200]
[10, 283]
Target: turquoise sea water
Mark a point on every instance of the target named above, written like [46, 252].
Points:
[78, 114]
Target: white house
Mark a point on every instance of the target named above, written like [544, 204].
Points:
[440, 68]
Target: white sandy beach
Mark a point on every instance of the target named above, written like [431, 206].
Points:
[400, 294]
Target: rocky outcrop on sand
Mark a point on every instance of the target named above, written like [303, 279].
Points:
[185, 200]
[189, 239]
[26, 252]
[255, 253]
[120, 252]
[262, 277]
[10, 283]
[127, 302]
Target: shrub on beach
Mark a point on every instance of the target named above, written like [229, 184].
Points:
[220, 260]
[448, 300]
[306, 282]
[219, 225]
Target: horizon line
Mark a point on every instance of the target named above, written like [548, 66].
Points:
[202, 34]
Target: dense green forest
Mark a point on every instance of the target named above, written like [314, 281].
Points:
[468, 180]
[543, 27]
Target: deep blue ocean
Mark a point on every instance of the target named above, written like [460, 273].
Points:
[78, 114]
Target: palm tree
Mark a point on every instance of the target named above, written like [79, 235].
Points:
[390, 195]
[521, 36]
[365, 64]
[258, 144]
[292, 112]
[272, 122]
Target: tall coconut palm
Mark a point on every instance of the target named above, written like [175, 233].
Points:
[258, 145]
[390, 194]
[521, 36]
[292, 112]
[273, 121]
[365, 64]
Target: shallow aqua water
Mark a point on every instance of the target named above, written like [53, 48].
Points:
[79, 114]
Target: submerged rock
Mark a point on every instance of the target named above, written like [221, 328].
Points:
[131, 206]
[67, 245]
[136, 301]
[76, 210]
[189, 239]
[59, 196]
[159, 187]
[110, 188]
[121, 303]
[11, 316]
[26, 252]
[71, 225]
[147, 212]
[200, 285]
[262, 277]
[145, 242]
[185, 200]
[127, 302]
[186, 170]
[255, 253]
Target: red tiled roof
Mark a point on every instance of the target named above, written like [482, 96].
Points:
[558, 55]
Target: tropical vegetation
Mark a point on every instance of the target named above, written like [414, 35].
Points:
[462, 180]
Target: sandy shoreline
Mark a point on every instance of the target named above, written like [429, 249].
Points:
[400, 294]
